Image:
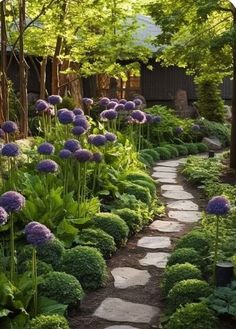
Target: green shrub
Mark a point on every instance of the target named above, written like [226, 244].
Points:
[87, 265]
[192, 148]
[139, 176]
[195, 315]
[131, 217]
[51, 252]
[99, 239]
[165, 154]
[184, 255]
[196, 240]
[177, 273]
[113, 225]
[182, 149]
[217, 129]
[202, 147]
[173, 150]
[148, 158]
[150, 186]
[154, 154]
[49, 322]
[187, 291]
[62, 287]
[140, 192]
[144, 161]
[42, 267]
[67, 102]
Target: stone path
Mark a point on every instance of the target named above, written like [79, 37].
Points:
[132, 299]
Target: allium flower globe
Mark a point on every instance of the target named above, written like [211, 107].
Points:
[104, 101]
[46, 148]
[97, 157]
[72, 145]
[111, 105]
[138, 116]
[137, 102]
[80, 120]
[12, 201]
[9, 127]
[149, 118]
[218, 205]
[37, 234]
[119, 107]
[110, 137]
[156, 119]
[65, 154]
[114, 100]
[65, 117]
[78, 131]
[108, 115]
[41, 105]
[54, 99]
[87, 101]
[78, 111]
[60, 111]
[179, 130]
[83, 155]
[122, 101]
[47, 166]
[10, 150]
[196, 127]
[3, 216]
[98, 140]
[129, 106]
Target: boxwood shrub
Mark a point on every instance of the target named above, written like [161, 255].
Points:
[165, 154]
[42, 267]
[99, 239]
[192, 148]
[196, 240]
[133, 176]
[185, 255]
[182, 149]
[202, 147]
[150, 186]
[131, 217]
[148, 158]
[87, 265]
[113, 225]
[177, 273]
[48, 322]
[173, 150]
[154, 154]
[140, 192]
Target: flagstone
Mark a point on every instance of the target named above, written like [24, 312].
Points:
[167, 180]
[166, 226]
[127, 277]
[169, 187]
[164, 169]
[164, 175]
[158, 259]
[177, 195]
[154, 242]
[185, 216]
[174, 163]
[121, 327]
[183, 205]
[116, 309]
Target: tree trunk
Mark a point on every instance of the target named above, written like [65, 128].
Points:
[233, 129]
[43, 76]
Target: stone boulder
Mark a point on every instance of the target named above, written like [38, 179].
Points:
[213, 143]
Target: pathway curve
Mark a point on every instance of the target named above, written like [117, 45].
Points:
[132, 298]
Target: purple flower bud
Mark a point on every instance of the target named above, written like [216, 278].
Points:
[12, 201]
[104, 101]
[97, 157]
[78, 111]
[37, 234]
[78, 131]
[119, 107]
[138, 116]
[156, 119]
[97, 140]
[3, 216]
[65, 117]
[83, 155]
[65, 154]
[47, 166]
[149, 118]
[137, 102]
[129, 106]
[10, 150]
[122, 101]
[110, 137]
[111, 105]
[108, 115]
[46, 148]
[72, 145]
[179, 130]
[9, 127]
[114, 100]
[80, 120]
[218, 205]
[54, 99]
[41, 105]
[2, 134]
[87, 101]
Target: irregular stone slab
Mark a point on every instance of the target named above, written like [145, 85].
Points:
[121, 327]
[158, 259]
[127, 277]
[172, 188]
[174, 163]
[185, 216]
[167, 180]
[213, 143]
[177, 195]
[164, 169]
[154, 242]
[183, 205]
[166, 226]
[164, 175]
[116, 309]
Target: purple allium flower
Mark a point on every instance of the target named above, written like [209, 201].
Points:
[41, 105]
[72, 145]
[114, 100]
[179, 130]
[156, 119]
[149, 118]
[119, 107]
[137, 101]
[218, 205]
[65, 154]
[111, 105]
[46, 148]
[10, 150]
[3, 216]
[60, 111]
[196, 127]
[88, 101]
[122, 101]
[138, 116]
[90, 138]
[110, 137]
[78, 111]
[108, 115]
[97, 157]
[37, 234]
[80, 120]
[12, 201]
[104, 101]
[78, 131]
[47, 166]
[129, 106]
[83, 155]
[65, 117]
[2, 134]
[54, 99]
[9, 127]
[98, 140]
